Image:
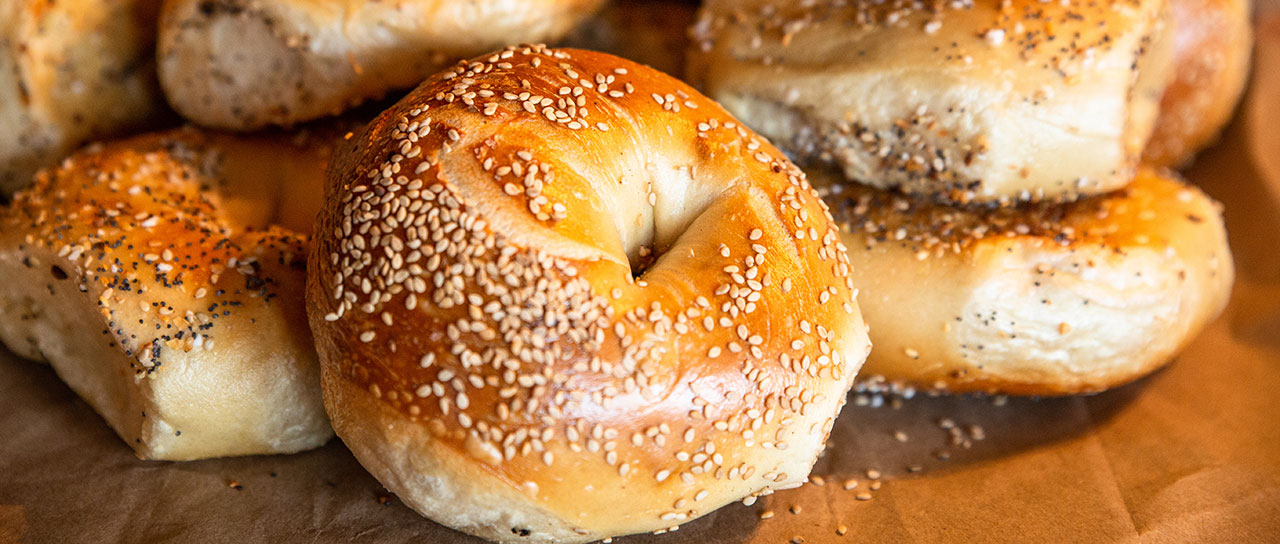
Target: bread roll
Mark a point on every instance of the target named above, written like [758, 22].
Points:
[72, 71]
[245, 64]
[1212, 43]
[559, 296]
[964, 101]
[183, 328]
[1043, 300]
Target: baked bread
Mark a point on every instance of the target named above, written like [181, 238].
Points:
[183, 327]
[1212, 44]
[245, 64]
[559, 296]
[963, 101]
[1050, 299]
[72, 71]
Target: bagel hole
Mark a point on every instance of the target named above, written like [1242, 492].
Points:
[643, 261]
[660, 203]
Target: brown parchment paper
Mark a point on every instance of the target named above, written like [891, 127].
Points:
[1190, 454]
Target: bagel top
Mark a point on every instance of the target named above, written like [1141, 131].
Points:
[577, 282]
[978, 100]
[141, 220]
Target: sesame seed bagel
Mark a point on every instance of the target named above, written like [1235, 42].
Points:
[1213, 40]
[560, 296]
[1048, 299]
[962, 101]
[72, 71]
[185, 329]
[245, 64]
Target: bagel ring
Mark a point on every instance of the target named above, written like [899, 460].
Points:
[560, 296]
[1048, 299]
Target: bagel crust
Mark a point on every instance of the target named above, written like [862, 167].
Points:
[1050, 299]
[245, 64]
[559, 296]
[961, 101]
[72, 71]
[184, 330]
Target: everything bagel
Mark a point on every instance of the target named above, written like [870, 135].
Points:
[961, 101]
[1046, 299]
[177, 315]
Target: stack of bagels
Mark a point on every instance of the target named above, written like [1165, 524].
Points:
[556, 295]
[996, 170]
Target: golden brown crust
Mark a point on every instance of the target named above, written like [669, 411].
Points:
[1213, 40]
[965, 101]
[183, 328]
[474, 270]
[246, 64]
[72, 71]
[1046, 299]
[275, 176]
